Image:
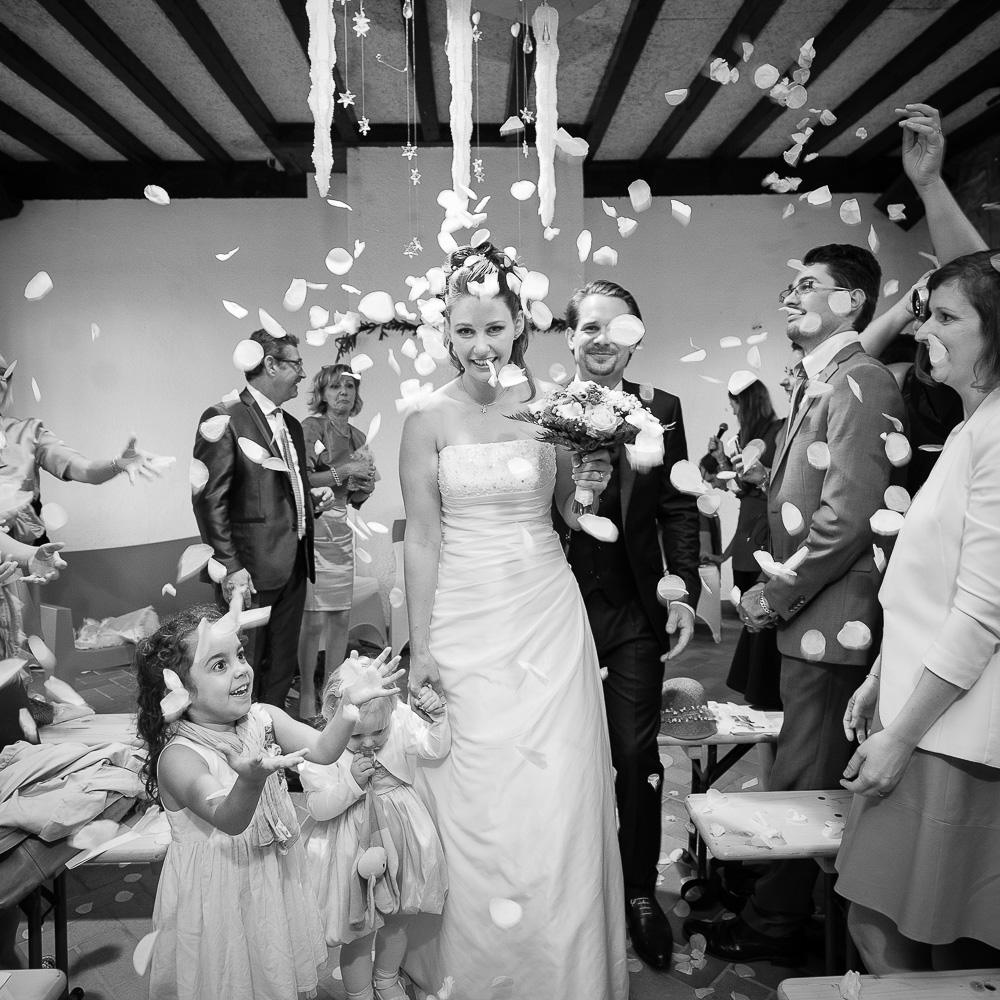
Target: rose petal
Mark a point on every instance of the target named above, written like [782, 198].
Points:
[270, 324]
[409, 349]
[197, 476]
[583, 244]
[670, 588]
[694, 356]
[813, 645]
[253, 451]
[143, 953]
[522, 190]
[890, 287]
[897, 498]
[886, 522]
[855, 635]
[791, 518]
[686, 477]
[626, 330]
[766, 76]
[680, 211]
[606, 256]
[850, 212]
[600, 528]
[339, 261]
[192, 560]
[156, 194]
[897, 212]
[213, 428]
[727, 343]
[38, 287]
[818, 455]
[674, 97]
[54, 516]
[640, 195]
[873, 240]
[709, 503]
[168, 590]
[820, 196]
[897, 449]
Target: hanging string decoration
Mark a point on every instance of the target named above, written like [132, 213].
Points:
[459, 49]
[477, 164]
[545, 22]
[322, 59]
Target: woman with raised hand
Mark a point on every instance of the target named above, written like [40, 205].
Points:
[525, 802]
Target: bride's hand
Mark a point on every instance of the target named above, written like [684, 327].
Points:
[423, 670]
[593, 471]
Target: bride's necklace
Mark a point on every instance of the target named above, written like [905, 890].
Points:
[483, 407]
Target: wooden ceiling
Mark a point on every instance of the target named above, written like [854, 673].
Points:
[207, 98]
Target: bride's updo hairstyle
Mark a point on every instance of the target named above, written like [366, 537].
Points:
[478, 264]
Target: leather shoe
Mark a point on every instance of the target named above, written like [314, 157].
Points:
[649, 930]
[736, 941]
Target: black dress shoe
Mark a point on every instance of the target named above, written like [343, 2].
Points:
[736, 941]
[650, 931]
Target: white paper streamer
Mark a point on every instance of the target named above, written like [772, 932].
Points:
[322, 59]
[459, 49]
[545, 22]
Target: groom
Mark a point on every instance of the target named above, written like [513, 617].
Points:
[631, 628]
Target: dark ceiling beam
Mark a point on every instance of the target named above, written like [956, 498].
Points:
[842, 29]
[10, 203]
[688, 177]
[948, 30]
[32, 135]
[971, 134]
[966, 86]
[748, 22]
[242, 179]
[640, 19]
[422, 63]
[345, 120]
[198, 31]
[522, 68]
[298, 135]
[47, 80]
[108, 49]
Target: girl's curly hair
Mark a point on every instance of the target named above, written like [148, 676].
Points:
[167, 647]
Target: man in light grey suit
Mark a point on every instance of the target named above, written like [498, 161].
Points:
[821, 499]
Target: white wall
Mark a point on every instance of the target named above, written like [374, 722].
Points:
[148, 277]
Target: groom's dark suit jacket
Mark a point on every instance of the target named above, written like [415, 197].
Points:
[246, 512]
[658, 524]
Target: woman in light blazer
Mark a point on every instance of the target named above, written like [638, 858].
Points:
[920, 859]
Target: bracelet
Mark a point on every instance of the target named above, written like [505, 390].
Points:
[118, 470]
[874, 677]
[337, 481]
[765, 607]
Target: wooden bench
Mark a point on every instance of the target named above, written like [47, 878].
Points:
[906, 986]
[57, 634]
[729, 825]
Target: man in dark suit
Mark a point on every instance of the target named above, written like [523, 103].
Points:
[631, 628]
[259, 518]
[843, 399]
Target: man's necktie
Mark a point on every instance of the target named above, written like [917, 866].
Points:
[798, 391]
[285, 441]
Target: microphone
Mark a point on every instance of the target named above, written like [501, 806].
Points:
[722, 429]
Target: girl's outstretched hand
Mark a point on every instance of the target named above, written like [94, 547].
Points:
[376, 680]
[260, 767]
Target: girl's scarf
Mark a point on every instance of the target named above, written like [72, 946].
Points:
[274, 820]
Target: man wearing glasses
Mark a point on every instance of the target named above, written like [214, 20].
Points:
[256, 510]
[819, 499]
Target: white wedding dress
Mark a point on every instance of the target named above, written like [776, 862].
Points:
[525, 801]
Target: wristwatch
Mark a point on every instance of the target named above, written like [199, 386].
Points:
[765, 607]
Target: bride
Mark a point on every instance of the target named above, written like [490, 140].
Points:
[525, 801]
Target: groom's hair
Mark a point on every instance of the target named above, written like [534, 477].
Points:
[602, 287]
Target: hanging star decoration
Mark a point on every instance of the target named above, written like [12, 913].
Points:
[409, 150]
[477, 169]
[476, 34]
[361, 23]
[346, 97]
[413, 248]
[364, 126]
[527, 115]
[415, 175]
[524, 148]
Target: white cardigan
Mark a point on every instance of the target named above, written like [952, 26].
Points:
[941, 593]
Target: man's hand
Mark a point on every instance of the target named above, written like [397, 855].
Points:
[238, 583]
[323, 498]
[752, 612]
[923, 144]
[681, 617]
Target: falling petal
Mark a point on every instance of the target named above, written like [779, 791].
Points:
[234, 308]
[54, 516]
[361, 363]
[254, 617]
[39, 286]
[709, 503]
[671, 587]
[511, 126]
[674, 97]
[168, 590]
[339, 261]
[583, 245]
[753, 357]
[606, 256]
[810, 322]
[270, 324]
[522, 190]
[213, 428]
[680, 211]
[9, 669]
[897, 449]
[364, 556]
[396, 597]
[818, 455]
[749, 783]
[35, 391]
[886, 522]
[936, 351]
[855, 388]
[813, 645]
[873, 240]
[855, 635]
[197, 476]
[682, 909]
[890, 287]
[511, 375]
[694, 356]
[931, 448]
[791, 518]
[640, 195]
[253, 451]
[850, 986]
[626, 330]
[551, 233]
[84, 908]
[609, 210]
[646, 391]
[424, 364]
[339, 204]
[626, 226]
[862, 133]
[729, 342]
[850, 212]
[409, 349]
[377, 307]
[123, 897]
[192, 560]
[821, 196]
[95, 331]
[789, 210]
[295, 295]
[359, 248]
[227, 255]
[897, 213]
[143, 953]
[794, 263]
[685, 476]
[275, 464]
[600, 528]
[766, 76]
[757, 338]
[156, 195]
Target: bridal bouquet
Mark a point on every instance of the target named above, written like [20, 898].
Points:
[586, 417]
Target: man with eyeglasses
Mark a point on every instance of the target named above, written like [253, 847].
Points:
[258, 517]
[821, 501]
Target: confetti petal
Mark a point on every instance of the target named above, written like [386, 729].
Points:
[680, 211]
[890, 287]
[886, 522]
[168, 590]
[600, 528]
[295, 295]
[873, 240]
[583, 245]
[897, 449]
[270, 324]
[727, 343]
[339, 261]
[670, 588]
[253, 451]
[339, 204]
[850, 212]
[192, 560]
[791, 518]
[39, 286]
[377, 307]
[424, 364]
[42, 653]
[54, 516]
[757, 338]
[862, 133]
[609, 210]
[709, 503]
[522, 190]
[818, 455]
[359, 248]
[674, 97]
[235, 309]
[793, 816]
[897, 213]
[606, 256]
[361, 363]
[695, 356]
[511, 126]
[143, 953]
[197, 476]
[156, 194]
[820, 196]
[640, 195]
[626, 330]
[855, 635]
[897, 498]
[936, 351]
[686, 477]
[766, 76]
[813, 645]
[558, 373]
[213, 428]
[855, 388]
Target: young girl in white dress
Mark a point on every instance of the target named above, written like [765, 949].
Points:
[374, 853]
[235, 913]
